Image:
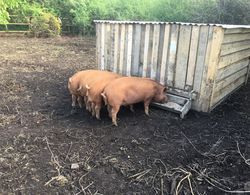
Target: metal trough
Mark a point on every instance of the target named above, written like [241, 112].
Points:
[176, 103]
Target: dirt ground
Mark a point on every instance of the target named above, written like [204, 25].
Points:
[44, 149]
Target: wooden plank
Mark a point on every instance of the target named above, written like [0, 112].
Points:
[209, 70]
[107, 47]
[98, 62]
[160, 50]
[154, 58]
[164, 53]
[234, 57]
[201, 53]
[102, 46]
[136, 50]
[229, 38]
[229, 70]
[172, 54]
[145, 53]
[116, 47]
[141, 57]
[192, 55]
[223, 83]
[234, 47]
[237, 30]
[219, 95]
[150, 50]
[129, 50]
[182, 57]
[122, 47]
[218, 36]
[248, 71]
[112, 45]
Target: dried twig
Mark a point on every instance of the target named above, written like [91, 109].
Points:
[247, 161]
[69, 150]
[162, 185]
[60, 178]
[81, 184]
[140, 174]
[201, 153]
[186, 177]
[213, 181]
[206, 154]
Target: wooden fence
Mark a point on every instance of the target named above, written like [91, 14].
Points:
[209, 60]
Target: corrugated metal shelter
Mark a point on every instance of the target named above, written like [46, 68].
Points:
[208, 60]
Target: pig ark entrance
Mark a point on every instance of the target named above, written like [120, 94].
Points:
[201, 64]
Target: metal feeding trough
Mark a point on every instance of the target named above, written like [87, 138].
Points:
[176, 103]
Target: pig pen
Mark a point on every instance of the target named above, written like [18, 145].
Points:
[46, 150]
[200, 63]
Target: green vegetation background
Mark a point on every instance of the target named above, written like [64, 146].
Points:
[78, 15]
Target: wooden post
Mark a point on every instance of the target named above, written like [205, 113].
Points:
[116, 48]
[102, 47]
[192, 55]
[209, 78]
[146, 46]
[182, 56]
[248, 70]
[172, 54]
[165, 49]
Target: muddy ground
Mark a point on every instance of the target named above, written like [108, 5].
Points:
[40, 140]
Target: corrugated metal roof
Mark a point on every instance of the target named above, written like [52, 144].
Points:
[181, 23]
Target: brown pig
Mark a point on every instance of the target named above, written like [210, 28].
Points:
[131, 90]
[77, 82]
[94, 91]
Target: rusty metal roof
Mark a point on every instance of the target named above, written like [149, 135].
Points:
[180, 23]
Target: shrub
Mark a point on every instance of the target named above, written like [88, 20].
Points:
[45, 25]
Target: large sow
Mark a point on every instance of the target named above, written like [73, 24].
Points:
[131, 90]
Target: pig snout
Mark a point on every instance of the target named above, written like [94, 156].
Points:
[161, 97]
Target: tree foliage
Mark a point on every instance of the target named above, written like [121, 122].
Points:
[81, 13]
[45, 25]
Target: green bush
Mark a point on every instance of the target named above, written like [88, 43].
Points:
[77, 15]
[45, 25]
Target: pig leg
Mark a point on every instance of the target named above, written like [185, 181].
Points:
[109, 110]
[114, 111]
[93, 109]
[89, 106]
[146, 106]
[86, 103]
[131, 108]
[97, 111]
[79, 100]
[85, 98]
[73, 101]
[73, 110]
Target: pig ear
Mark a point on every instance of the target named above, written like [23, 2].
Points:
[165, 89]
[87, 87]
[79, 88]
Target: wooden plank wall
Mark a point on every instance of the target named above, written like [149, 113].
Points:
[210, 60]
[233, 64]
[172, 54]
